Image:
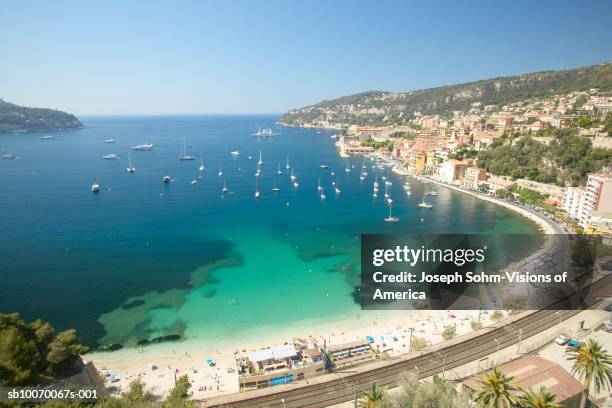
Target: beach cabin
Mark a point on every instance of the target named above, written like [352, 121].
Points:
[351, 352]
[279, 365]
[278, 358]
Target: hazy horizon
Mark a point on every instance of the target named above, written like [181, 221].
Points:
[209, 58]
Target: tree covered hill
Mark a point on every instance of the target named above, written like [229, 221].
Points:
[383, 108]
[14, 118]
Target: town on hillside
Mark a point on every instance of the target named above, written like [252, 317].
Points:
[551, 152]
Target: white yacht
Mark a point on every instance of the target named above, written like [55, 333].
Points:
[48, 137]
[279, 172]
[275, 188]
[8, 156]
[260, 162]
[292, 176]
[194, 180]
[146, 146]
[111, 156]
[224, 189]
[287, 166]
[235, 153]
[109, 141]
[95, 187]
[319, 187]
[256, 188]
[201, 166]
[220, 172]
[264, 132]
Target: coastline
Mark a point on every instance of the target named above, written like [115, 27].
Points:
[189, 356]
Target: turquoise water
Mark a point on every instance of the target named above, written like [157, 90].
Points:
[142, 259]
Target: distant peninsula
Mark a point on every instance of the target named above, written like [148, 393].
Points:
[21, 119]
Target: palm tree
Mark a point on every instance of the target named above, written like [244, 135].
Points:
[593, 365]
[538, 399]
[439, 380]
[373, 398]
[497, 391]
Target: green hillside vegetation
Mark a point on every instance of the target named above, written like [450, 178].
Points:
[33, 353]
[568, 158]
[14, 118]
[399, 107]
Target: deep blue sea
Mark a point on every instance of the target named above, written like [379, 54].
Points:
[142, 258]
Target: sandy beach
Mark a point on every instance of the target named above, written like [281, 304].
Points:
[157, 365]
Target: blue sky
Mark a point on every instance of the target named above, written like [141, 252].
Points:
[267, 57]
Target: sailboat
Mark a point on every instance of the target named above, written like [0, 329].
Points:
[337, 189]
[201, 167]
[319, 187]
[348, 168]
[423, 204]
[275, 188]
[287, 166]
[184, 155]
[194, 181]
[166, 178]
[292, 176]
[260, 162]
[95, 187]
[224, 189]
[220, 172]
[279, 170]
[376, 183]
[322, 194]
[256, 188]
[130, 168]
[391, 218]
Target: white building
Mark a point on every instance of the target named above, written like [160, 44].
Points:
[574, 202]
[580, 203]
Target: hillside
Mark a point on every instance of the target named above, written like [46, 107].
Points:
[383, 108]
[14, 118]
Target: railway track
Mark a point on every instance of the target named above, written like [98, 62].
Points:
[347, 386]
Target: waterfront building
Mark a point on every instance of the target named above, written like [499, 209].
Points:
[573, 202]
[350, 352]
[279, 365]
[452, 170]
[473, 177]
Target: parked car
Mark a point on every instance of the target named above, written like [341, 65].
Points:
[561, 340]
[608, 326]
[573, 343]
